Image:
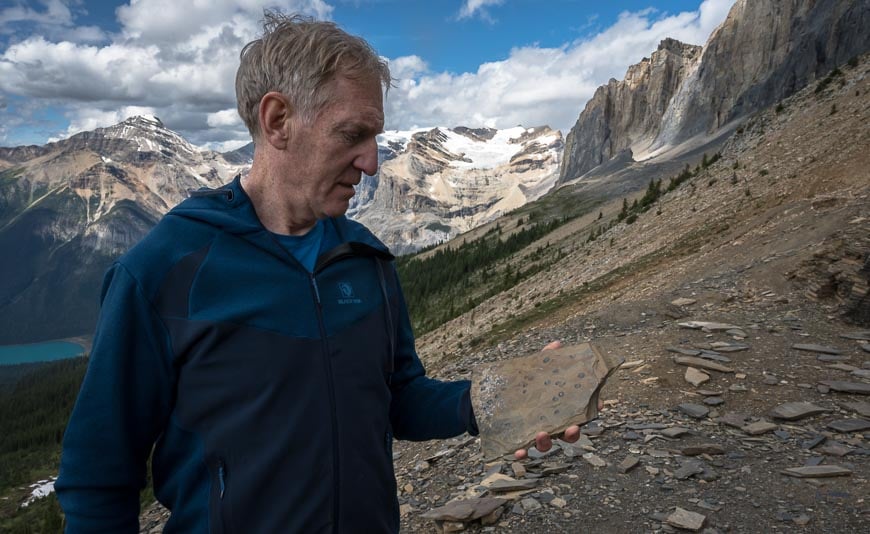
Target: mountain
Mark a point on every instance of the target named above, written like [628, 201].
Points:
[682, 97]
[435, 184]
[624, 116]
[69, 208]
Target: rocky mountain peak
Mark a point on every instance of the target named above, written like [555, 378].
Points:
[684, 95]
[434, 184]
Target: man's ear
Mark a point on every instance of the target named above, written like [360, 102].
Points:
[275, 114]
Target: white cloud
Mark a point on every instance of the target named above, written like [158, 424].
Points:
[89, 119]
[176, 58]
[535, 85]
[472, 7]
[178, 61]
[56, 12]
[225, 117]
[407, 67]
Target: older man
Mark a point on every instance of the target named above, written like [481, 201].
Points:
[256, 341]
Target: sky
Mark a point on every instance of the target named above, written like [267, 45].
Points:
[68, 66]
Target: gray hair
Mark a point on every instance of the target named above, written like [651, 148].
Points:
[300, 57]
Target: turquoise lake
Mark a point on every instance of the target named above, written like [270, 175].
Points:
[39, 352]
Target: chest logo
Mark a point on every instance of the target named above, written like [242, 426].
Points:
[347, 295]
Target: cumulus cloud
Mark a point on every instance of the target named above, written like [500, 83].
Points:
[56, 12]
[177, 58]
[225, 117]
[472, 7]
[89, 119]
[537, 85]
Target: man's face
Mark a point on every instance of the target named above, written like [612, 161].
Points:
[330, 154]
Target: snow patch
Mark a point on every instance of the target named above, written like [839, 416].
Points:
[483, 154]
[41, 489]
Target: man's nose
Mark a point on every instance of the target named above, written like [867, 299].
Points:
[367, 160]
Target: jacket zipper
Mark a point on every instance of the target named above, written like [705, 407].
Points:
[222, 475]
[332, 403]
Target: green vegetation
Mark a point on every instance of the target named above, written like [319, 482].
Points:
[826, 81]
[452, 281]
[32, 420]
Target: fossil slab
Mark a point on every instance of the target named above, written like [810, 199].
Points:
[547, 391]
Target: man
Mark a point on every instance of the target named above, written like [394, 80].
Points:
[257, 341]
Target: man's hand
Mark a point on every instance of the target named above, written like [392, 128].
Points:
[543, 442]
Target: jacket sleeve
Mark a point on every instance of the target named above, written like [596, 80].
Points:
[422, 407]
[122, 406]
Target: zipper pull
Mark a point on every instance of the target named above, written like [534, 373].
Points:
[316, 290]
[222, 478]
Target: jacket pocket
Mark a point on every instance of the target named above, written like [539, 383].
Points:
[218, 513]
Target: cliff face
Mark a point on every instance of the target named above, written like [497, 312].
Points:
[435, 184]
[764, 51]
[68, 209]
[625, 115]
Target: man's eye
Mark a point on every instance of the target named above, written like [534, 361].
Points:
[351, 137]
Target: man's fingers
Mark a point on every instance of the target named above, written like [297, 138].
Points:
[543, 442]
[521, 454]
[572, 434]
[553, 345]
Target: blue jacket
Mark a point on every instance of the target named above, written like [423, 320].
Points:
[270, 396]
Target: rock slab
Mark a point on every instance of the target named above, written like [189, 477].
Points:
[696, 377]
[817, 471]
[792, 411]
[687, 520]
[465, 510]
[546, 391]
[849, 425]
[858, 388]
[810, 347]
[691, 361]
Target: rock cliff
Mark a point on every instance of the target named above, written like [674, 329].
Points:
[625, 115]
[764, 51]
[433, 185]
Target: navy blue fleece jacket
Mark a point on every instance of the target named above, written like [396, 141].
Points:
[269, 395]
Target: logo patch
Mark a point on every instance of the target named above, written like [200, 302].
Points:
[346, 290]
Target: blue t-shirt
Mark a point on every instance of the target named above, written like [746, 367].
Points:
[305, 248]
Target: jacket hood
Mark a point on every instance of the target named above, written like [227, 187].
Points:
[230, 209]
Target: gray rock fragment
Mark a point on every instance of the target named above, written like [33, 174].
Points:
[702, 363]
[849, 425]
[759, 427]
[708, 326]
[817, 471]
[861, 408]
[833, 358]
[686, 520]
[684, 352]
[675, 432]
[629, 463]
[811, 347]
[857, 388]
[696, 377]
[792, 411]
[703, 448]
[504, 485]
[861, 336]
[694, 410]
[465, 510]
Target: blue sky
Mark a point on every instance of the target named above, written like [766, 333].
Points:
[71, 65]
